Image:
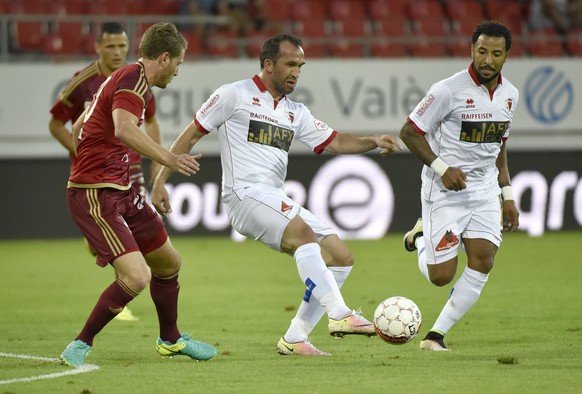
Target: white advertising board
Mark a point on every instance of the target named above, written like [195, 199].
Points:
[368, 96]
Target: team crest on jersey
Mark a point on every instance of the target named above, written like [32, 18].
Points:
[269, 134]
[291, 116]
[425, 104]
[470, 103]
[319, 125]
[448, 241]
[509, 103]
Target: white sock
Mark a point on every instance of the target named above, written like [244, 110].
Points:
[422, 256]
[309, 313]
[463, 296]
[320, 281]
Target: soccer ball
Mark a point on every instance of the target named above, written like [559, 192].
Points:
[397, 320]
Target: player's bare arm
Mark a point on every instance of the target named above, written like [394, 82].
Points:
[453, 178]
[152, 128]
[126, 131]
[510, 212]
[353, 143]
[76, 130]
[183, 144]
[61, 134]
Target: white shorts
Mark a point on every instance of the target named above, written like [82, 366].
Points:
[446, 223]
[263, 213]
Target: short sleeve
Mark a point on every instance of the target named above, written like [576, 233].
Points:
[434, 107]
[218, 108]
[313, 132]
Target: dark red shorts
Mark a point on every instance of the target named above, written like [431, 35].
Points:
[116, 222]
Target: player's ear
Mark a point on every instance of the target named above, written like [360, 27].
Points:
[164, 58]
[268, 65]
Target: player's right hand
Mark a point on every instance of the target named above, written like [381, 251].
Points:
[186, 164]
[161, 199]
[454, 179]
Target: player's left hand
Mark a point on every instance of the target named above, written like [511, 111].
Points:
[389, 144]
[510, 216]
[161, 199]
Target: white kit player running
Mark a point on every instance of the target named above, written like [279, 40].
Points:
[256, 124]
[459, 130]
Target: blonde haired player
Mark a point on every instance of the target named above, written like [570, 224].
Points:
[112, 46]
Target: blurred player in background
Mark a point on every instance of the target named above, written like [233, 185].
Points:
[256, 124]
[111, 46]
[119, 225]
[459, 131]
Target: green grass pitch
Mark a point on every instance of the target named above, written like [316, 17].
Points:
[523, 336]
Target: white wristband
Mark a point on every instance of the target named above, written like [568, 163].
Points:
[507, 193]
[439, 166]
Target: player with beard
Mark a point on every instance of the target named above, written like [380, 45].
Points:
[459, 131]
[256, 124]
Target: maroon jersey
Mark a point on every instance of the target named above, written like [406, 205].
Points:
[78, 94]
[135, 167]
[103, 160]
[150, 112]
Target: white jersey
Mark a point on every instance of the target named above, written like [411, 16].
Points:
[255, 133]
[465, 125]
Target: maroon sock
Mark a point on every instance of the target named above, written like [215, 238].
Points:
[164, 293]
[111, 302]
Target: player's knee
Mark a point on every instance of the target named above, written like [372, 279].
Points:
[170, 267]
[345, 259]
[441, 278]
[483, 266]
[137, 280]
[440, 281]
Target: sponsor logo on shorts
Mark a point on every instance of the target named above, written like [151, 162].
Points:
[268, 134]
[448, 241]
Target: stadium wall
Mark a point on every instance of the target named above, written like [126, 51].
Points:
[363, 198]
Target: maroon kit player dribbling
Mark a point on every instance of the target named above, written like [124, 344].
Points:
[118, 224]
